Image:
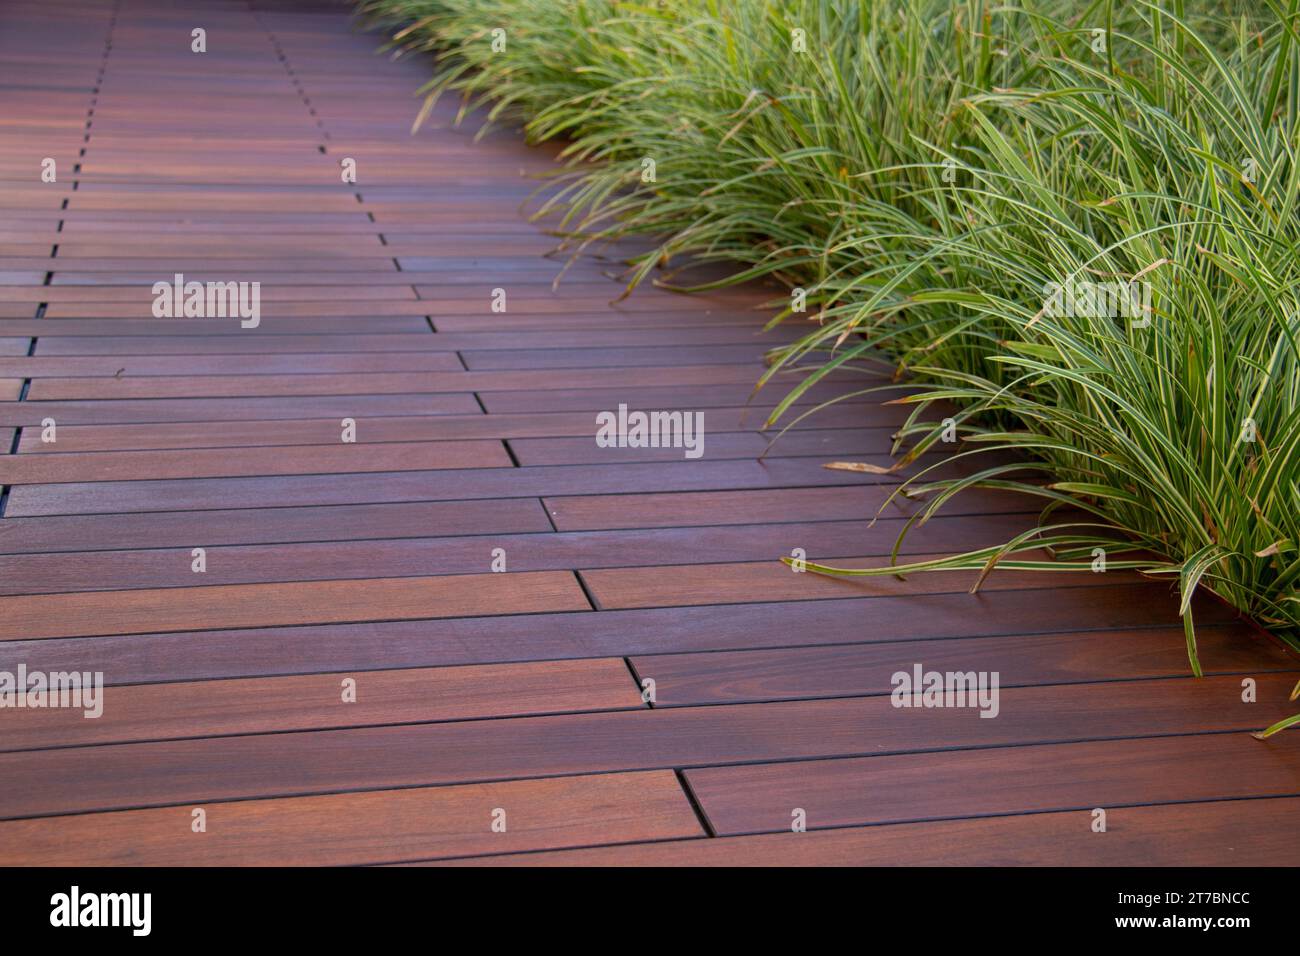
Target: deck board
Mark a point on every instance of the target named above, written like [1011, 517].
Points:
[1079, 776]
[122, 776]
[1227, 833]
[371, 562]
[367, 828]
[317, 701]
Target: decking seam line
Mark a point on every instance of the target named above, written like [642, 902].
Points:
[550, 518]
[586, 589]
[701, 815]
[636, 682]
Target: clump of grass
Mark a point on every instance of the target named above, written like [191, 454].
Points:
[924, 169]
[1180, 427]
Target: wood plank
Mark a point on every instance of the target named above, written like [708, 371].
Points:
[247, 652]
[267, 272]
[861, 444]
[633, 341]
[388, 383]
[325, 431]
[284, 267]
[197, 494]
[175, 529]
[593, 319]
[1074, 776]
[74, 780]
[142, 299]
[750, 354]
[236, 462]
[725, 677]
[316, 702]
[325, 315]
[42, 365]
[544, 300]
[360, 828]
[607, 512]
[737, 583]
[656, 396]
[1228, 833]
[153, 566]
[236, 409]
[268, 605]
[133, 332]
[281, 321]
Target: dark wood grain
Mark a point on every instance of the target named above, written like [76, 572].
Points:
[677, 585]
[360, 828]
[215, 386]
[1227, 833]
[235, 409]
[299, 648]
[96, 778]
[267, 605]
[327, 554]
[840, 670]
[225, 462]
[199, 494]
[757, 507]
[1075, 776]
[317, 701]
[372, 428]
[80, 536]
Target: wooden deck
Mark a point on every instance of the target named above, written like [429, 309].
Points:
[479, 692]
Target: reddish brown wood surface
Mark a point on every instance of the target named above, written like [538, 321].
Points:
[1227, 833]
[367, 568]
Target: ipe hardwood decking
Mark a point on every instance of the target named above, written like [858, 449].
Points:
[463, 611]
